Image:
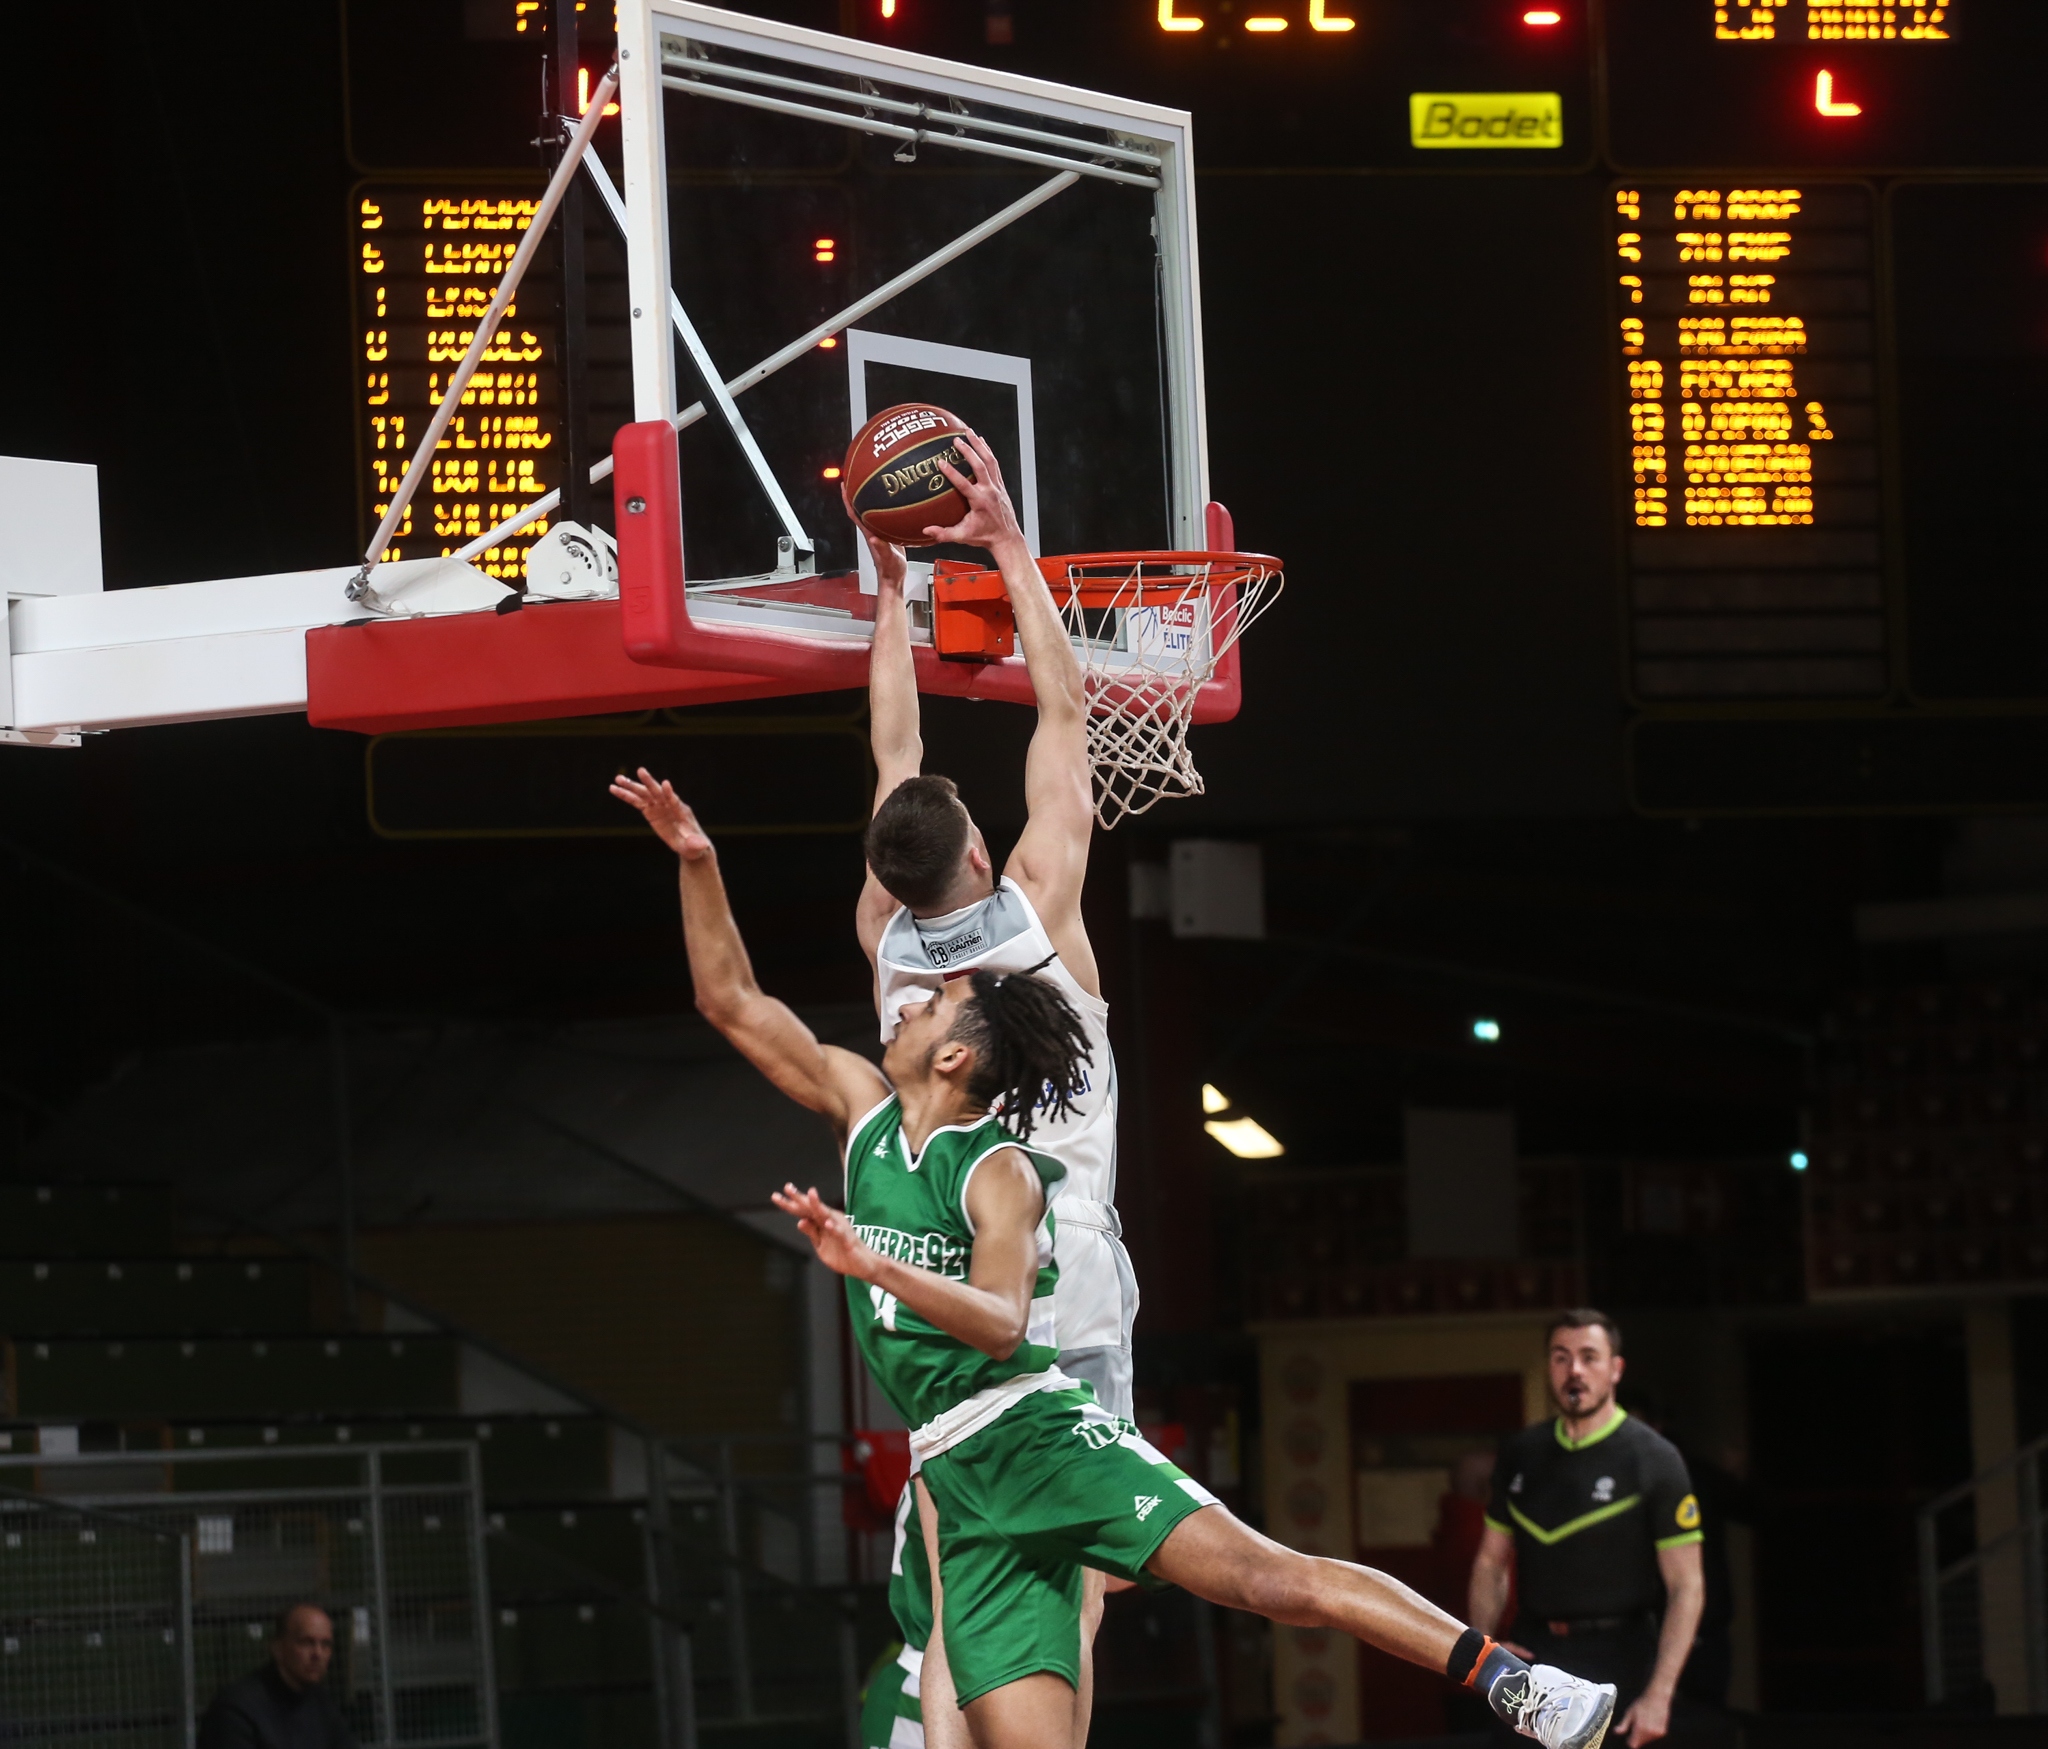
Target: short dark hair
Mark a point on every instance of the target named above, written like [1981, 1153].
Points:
[916, 837]
[1583, 1318]
[1030, 1049]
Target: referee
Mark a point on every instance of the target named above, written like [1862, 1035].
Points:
[1594, 1518]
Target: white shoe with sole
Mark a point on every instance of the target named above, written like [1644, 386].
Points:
[1559, 1710]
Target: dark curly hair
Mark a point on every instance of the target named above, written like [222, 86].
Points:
[1029, 1048]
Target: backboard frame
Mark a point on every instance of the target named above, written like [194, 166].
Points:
[1164, 134]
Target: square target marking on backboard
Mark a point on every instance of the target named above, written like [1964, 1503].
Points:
[990, 390]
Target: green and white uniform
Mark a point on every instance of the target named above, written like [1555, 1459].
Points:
[1032, 1478]
[891, 1716]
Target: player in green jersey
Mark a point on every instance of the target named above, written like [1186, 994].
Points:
[946, 1247]
[892, 1713]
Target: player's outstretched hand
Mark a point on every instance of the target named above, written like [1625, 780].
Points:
[670, 816]
[831, 1234]
[892, 564]
[991, 519]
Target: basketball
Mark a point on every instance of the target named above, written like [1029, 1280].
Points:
[892, 484]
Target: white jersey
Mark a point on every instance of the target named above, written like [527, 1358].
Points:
[1097, 1298]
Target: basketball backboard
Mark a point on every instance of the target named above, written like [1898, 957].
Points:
[815, 227]
[774, 176]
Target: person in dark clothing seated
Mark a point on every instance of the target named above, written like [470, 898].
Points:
[285, 1705]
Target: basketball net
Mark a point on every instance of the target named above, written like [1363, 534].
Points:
[1146, 653]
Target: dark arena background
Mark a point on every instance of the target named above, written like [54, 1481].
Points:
[1626, 884]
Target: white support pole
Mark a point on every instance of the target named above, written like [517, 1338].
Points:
[775, 361]
[642, 137]
[1180, 301]
[721, 396]
[359, 588]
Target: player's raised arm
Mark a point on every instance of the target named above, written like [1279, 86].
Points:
[893, 727]
[766, 1032]
[1051, 858]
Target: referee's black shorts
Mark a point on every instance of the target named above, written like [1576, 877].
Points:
[1624, 1653]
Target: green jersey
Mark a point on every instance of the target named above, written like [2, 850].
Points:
[914, 1209]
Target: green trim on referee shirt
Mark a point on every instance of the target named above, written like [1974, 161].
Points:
[1600, 1515]
[1492, 1523]
[1570, 1444]
[1679, 1541]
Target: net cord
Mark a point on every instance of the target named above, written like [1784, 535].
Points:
[1139, 714]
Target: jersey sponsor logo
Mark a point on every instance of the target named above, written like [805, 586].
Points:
[1603, 1490]
[1145, 1503]
[1098, 1431]
[1515, 1487]
[944, 953]
[941, 1253]
[1689, 1512]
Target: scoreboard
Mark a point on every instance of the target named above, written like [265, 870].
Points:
[1746, 332]
[1815, 247]
[427, 263]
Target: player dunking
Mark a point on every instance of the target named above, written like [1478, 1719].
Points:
[947, 1245]
[932, 910]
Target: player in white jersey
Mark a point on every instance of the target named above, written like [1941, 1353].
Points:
[933, 909]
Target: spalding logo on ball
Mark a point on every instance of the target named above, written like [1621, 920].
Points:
[892, 484]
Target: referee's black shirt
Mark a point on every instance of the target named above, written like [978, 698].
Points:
[1588, 1517]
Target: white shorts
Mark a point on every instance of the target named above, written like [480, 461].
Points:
[1096, 1302]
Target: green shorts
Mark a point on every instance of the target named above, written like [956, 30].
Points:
[1057, 1483]
[890, 1715]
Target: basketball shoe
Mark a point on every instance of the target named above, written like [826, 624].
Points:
[1559, 1710]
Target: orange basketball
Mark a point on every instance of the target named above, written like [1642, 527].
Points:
[892, 484]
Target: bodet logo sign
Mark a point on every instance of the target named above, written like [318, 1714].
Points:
[1440, 119]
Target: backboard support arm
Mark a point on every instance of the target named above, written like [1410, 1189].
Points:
[360, 589]
[714, 385]
[797, 348]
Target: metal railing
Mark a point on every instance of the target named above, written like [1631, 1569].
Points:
[387, 1539]
[95, 1628]
[742, 1522]
[1984, 1610]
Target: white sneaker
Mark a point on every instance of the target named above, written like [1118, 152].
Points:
[1559, 1710]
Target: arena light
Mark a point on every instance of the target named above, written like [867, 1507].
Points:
[1265, 26]
[1214, 1099]
[1486, 1031]
[1543, 18]
[1245, 1137]
[1797, 1160]
[831, 474]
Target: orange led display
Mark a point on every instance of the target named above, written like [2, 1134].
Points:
[1733, 448]
[1824, 99]
[1321, 17]
[426, 271]
[1903, 21]
[1745, 434]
